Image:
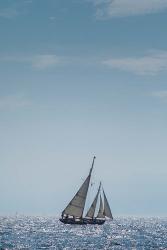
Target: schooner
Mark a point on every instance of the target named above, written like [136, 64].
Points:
[73, 213]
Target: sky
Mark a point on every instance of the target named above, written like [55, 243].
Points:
[80, 78]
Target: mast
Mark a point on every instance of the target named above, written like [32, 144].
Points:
[92, 165]
[107, 210]
[92, 208]
[76, 206]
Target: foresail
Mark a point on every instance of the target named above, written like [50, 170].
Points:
[92, 208]
[107, 210]
[101, 209]
[76, 205]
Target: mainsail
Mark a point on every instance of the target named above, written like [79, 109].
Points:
[101, 210]
[92, 208]
[77, 204]
[107, 210]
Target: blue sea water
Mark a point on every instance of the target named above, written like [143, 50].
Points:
[25, 232]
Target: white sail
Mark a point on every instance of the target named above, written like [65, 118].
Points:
[101, 209]
[107, 210]
[76, 205]
[92, 208]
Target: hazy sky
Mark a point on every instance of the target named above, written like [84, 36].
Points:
[80, 78]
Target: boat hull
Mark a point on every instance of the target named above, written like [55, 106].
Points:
[83, 221]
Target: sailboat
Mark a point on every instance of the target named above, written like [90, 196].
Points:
[73, 213]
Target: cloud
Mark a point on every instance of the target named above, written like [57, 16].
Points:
[160, 94]
[14, 9]
[12, 102]
[42, 61]
[151, 64]
[52, 18]
[45, 61]
[122, 8]
[8, 13]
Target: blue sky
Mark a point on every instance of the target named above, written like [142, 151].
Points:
[80, 78]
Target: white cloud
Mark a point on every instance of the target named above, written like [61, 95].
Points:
[14, 8]
[52, 18]
[12, 102]
[42, 61]
[27, 1]
[45, 61]
[150, 64]
[8, 13]
[123, 8]
[160, 94]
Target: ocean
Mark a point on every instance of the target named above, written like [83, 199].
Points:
[28, 232]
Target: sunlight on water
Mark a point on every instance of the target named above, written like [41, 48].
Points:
[48, 233]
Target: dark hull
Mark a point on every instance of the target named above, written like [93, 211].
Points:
[83, 221]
